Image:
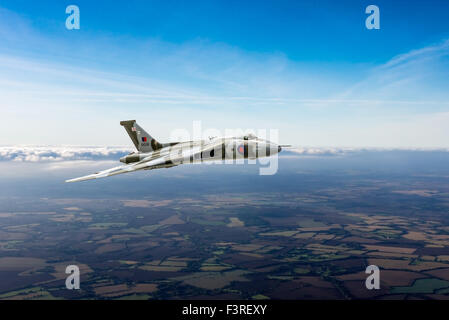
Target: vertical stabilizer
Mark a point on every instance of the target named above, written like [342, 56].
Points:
[141, 139]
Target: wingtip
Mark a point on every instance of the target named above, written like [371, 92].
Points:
[89, 177]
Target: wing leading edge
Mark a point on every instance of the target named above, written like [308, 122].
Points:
[143, 164]
[105, 173]
[168, 159]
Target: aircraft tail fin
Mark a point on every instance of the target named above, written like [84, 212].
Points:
[142, 140]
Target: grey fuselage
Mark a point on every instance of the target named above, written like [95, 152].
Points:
[152, 154]
[214, 149]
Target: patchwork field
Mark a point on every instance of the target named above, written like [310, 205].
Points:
[309, 242]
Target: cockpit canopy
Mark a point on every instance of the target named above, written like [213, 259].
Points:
[249, 136]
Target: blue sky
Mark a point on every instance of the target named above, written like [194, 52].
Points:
[308, 68]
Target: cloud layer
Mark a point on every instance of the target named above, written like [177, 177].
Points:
[53, 154]
[60, 153]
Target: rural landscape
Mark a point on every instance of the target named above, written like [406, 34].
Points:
[311, 240]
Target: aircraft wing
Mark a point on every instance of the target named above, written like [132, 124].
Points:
[143, 164]
[163, 161]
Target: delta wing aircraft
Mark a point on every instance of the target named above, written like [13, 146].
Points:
[154, 155]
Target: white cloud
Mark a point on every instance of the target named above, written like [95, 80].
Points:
[418, 78]
[319, 152]
[59, 153]
[59, 157]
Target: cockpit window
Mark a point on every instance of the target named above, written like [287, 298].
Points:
[249, 137]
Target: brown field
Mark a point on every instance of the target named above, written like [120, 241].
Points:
[359, 291]
[359, 276]
[253, 255]
[207, 267]
[440, 273]
[296, 290]
[323, 236]
[356, 239]
[317, 229]
[116, 237]
[168, 265]
[247, 247]
[391, 249]
[136, 203]
[416, 236]
[279, 234]
[21, 264]
[174, 263]
[327, 249]
[213, 280]
[107, 290]
[172, 220]
[405, 264]
[124, 289]
[305, 235]
[389, 278]
[145, 203]
[315, 282]
[110, 248]
[161, 268]
[391, 255]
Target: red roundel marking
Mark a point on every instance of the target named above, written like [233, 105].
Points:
[241, 149]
